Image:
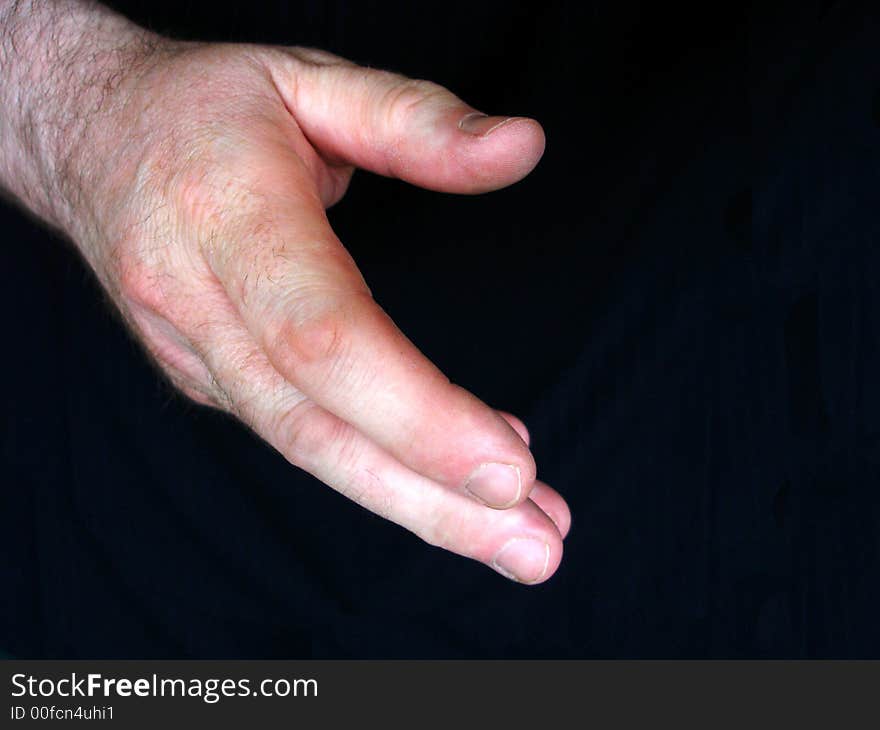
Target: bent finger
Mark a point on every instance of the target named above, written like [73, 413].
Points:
[521, 543]
[304, 301]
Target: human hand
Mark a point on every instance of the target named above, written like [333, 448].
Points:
[197, 191]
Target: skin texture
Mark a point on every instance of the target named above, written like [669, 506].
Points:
[194, 179]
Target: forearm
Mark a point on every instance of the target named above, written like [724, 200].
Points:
[60, 62]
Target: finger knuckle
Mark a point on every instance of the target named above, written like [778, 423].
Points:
[445, 529]
[142, 285]
[306, 433]
[147, 267]
[405, 98]
[318, 341]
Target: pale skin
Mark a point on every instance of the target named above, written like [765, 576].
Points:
[194, 179]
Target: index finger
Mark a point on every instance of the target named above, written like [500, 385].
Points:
[303, 299]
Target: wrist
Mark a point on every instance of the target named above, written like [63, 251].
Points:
[65, 66]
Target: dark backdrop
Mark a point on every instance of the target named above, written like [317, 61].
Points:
[697, 255]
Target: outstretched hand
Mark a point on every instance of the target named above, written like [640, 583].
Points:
[206, 178]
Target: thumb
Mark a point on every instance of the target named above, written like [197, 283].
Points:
[410, 129]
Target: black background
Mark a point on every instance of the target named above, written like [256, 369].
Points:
[678, 302]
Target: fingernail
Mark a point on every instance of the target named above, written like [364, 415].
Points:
[481, 125]
[498, 485]
[523, 559]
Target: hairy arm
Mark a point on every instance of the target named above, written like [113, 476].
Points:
[59, 61]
